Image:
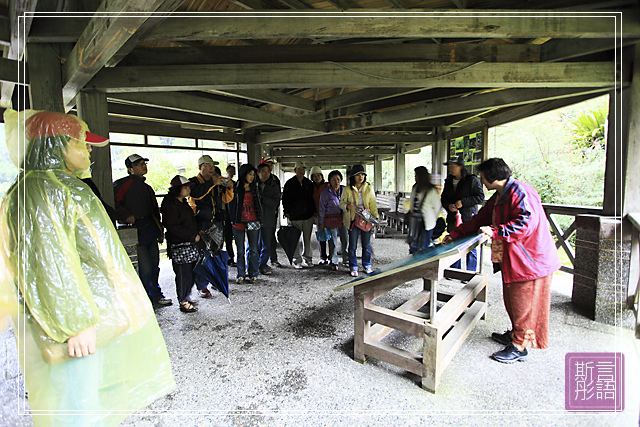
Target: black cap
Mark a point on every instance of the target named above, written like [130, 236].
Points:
[455, 160]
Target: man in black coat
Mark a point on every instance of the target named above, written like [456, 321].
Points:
[269, 192]
[299, 207]
[462, 194]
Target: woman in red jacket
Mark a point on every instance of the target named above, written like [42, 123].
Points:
[523, 249]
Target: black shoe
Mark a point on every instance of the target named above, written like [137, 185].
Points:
[232, 263]
[163, 302]
[266, 270]
[504, 339]
[510, 354]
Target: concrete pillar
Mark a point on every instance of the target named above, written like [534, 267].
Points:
[377, 174]
[92, 108]
[45, 78]
[399, 172]
[601, 271]
[253, 151]
[631, 196]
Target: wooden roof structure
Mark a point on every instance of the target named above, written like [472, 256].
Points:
[341, 81]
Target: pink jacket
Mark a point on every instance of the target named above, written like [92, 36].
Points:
[518, 219]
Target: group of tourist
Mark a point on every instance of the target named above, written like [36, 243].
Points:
[79, 294]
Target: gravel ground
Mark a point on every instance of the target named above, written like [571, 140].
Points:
[281, 354]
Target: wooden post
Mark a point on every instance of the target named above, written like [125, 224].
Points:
[361, 326]
[45, 78]
[92, 108]
[430, 357]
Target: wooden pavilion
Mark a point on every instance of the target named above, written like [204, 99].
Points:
[345, 81]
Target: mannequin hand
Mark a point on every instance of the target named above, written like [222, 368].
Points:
[83, 344]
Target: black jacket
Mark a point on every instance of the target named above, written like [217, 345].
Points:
[269, 192]
[235, 206]
[297, 199]
[469, 191]
[179, 220]
[208, 202]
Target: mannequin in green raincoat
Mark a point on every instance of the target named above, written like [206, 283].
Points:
[87, 336]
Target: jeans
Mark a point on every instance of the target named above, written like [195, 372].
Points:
[424, 241]
[268, 241]
[184, 280]
[149, 270]
[472, 261]
[366, 248]
[253, 237]
[306, 226]
[343, 234]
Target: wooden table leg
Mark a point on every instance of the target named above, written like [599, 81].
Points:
[361, 327]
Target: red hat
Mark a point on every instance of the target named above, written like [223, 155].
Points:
[51, 123]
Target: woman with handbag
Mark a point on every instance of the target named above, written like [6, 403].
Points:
[330, 217]
[423, 211]
[358, 200]
[245, 214]
[182, 235]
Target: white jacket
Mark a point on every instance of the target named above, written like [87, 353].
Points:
[430, 208]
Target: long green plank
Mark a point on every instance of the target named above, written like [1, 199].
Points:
[422, 257]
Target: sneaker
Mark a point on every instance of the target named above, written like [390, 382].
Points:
[322, 261]
[296, 266]
[303, 264]
[253, 279]
[205, 293]
[346, 264]
[333, 267]
[510, 354]
[354, 273]
[276, 264]
[266, 270]
[504, 339]
[240, 279]
[232, 263]
[368, 270]
[164, 302]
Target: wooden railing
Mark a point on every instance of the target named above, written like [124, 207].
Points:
[563, 236]
[634, 270]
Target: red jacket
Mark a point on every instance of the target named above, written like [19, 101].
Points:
[518, 219]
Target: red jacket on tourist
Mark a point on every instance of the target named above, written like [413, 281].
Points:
[517, 219]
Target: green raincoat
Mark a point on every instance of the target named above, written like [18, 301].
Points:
[70, 271]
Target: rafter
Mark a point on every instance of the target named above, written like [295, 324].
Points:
[202, 105]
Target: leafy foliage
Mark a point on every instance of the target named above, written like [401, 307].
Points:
[589, 129]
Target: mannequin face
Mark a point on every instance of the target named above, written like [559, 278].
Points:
[77, 155]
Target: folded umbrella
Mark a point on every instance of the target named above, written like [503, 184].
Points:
[288, 236]
[215, 270]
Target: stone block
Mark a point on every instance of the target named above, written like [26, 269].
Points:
[608, 312]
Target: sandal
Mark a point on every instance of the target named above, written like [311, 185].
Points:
[187, 307]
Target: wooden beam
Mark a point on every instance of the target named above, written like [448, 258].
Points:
[476, 23]
[273, 97]
[517, 113]
[120, 125]
[394, 102]
[356, 140]
[13, 71]
[5, 31]
[332, 152]
[563, 49]
[105, 36]
[374, 74]
[496, 99]
[449, 52]
[201, 105]
[421, 24]
[170, 116]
